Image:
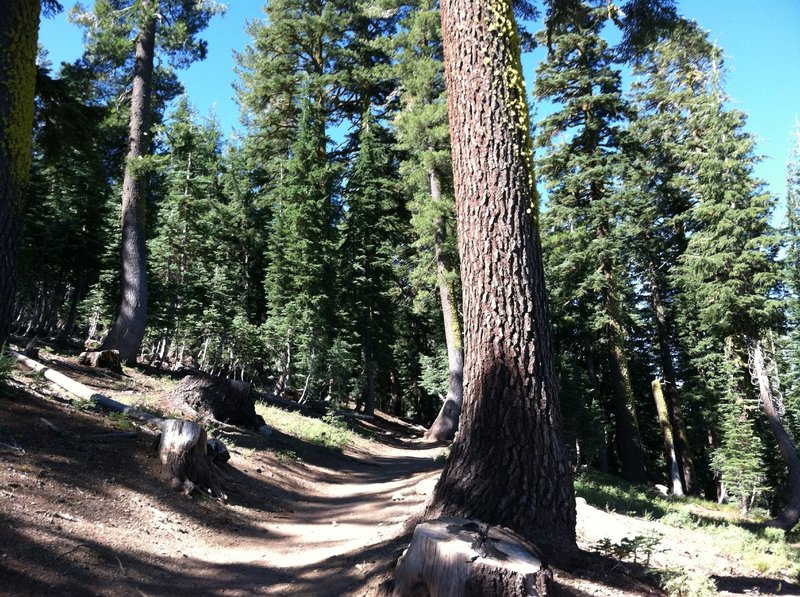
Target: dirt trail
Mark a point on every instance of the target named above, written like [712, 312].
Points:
[80, 516]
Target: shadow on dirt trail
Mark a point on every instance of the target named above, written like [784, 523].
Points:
[80, 516]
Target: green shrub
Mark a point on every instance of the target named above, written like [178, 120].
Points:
[6, 363]
[688, 583]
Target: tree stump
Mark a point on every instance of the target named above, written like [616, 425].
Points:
[203, 397]
[457, 557]
[107, 359]
[182, 449]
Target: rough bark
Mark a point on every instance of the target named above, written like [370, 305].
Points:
[508, 465]
[128, 330]
[19, 27]
[456, 557]
[204, 396]
[185, 462]
[445, 426]
[790, 515]
[669, 444]
[670, 386]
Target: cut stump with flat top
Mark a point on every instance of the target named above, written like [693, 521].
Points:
[458, 557]
[182, 449]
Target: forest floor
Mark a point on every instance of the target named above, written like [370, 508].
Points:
[84, 511]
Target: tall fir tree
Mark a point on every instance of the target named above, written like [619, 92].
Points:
[728, 272]
[76, 145]
[371, 236]
[424, 137]
[791, 274]
[666, 78]
[582, 168]
[131, 32]
[300, 274]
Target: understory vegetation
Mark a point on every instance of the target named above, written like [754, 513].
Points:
[767, 551]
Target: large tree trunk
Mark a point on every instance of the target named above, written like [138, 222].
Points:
[128, 331]
[790, 515]
[19, 27]
[508, 465]
[682, 451]
[445, 426]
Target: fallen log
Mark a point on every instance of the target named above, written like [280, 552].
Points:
[182, 445]
[457, 557]
[312, 410]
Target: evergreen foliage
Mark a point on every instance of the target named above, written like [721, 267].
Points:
[371, 236]
[584, 240]
[300, 274]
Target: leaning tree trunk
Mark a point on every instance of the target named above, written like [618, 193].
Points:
[445, 426]
[508, 465]
[669, 443]
[19, 27]
[629, 441]
[128, 331]
[790, 515]
[682, 450]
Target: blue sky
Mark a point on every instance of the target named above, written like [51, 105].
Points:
[761, 41]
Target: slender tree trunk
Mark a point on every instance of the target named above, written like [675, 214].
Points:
[19, 28]
[599, 430]
[508, 465]
[790, 515]
[72, 312]
[629, 442]
[369, 369]
[128, 330]
[446, 424]
[670, 386]
[669, 444]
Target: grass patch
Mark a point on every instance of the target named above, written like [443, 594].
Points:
[688, 583]
[329, 432]
[765, 551]
[615, 495]
[121, 421]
